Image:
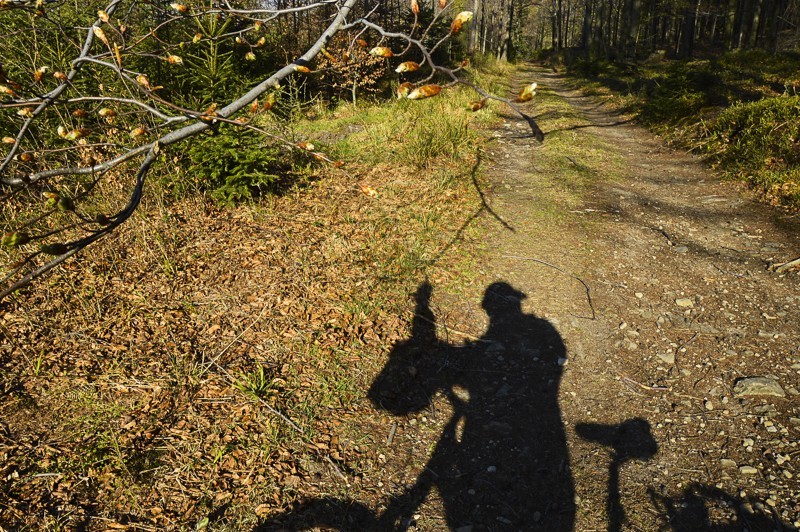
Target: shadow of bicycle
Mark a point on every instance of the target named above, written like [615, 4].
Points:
[501, 461]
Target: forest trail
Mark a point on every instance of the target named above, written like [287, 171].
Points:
[677, 262]
[652, 427]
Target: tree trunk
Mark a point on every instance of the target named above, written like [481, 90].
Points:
[586, 29]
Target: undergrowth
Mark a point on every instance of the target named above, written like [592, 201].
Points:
[739, 110]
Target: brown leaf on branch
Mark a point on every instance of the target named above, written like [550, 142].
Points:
[381, 51]
[415, 7]
[526, 94]
[269, 103]
[461, 19]
[79, 133]
[407, 66]
[477, 105]
[426, 91]
[404, 89]
[39, 73]
[144, 81]
[100, 34]
[305, 146]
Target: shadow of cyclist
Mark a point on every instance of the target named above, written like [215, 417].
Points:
[501, 461]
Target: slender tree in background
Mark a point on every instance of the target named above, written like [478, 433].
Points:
[92, 95]
[624, 29]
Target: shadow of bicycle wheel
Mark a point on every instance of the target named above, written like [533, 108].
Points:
[322, 514]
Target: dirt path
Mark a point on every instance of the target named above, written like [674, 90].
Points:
[655, 432]
[677, 262]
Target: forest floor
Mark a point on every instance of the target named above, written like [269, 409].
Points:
[626, 410]
[576, 354]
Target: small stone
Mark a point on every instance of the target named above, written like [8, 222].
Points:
[667, 358]
[794, 421]
[684, 302]
[639, 295]
[562, 361]
[748, 442]
[771, 502]
[747, 508]
[766, 410]
[727, 463]
[750, 386]
[537, 516]
[709, 405]
[495, 347]
[503, 391]
[748, 470]
[681, 249]
[491, 469]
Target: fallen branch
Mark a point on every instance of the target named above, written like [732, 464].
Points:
[644, 386]
[786, 266]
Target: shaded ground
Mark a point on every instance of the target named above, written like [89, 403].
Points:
[684, 308]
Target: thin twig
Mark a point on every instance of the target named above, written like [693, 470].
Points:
[390, 438]
[644, 386]
[450, 329]
[238, 337]
[565, 272]
[785, 266]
